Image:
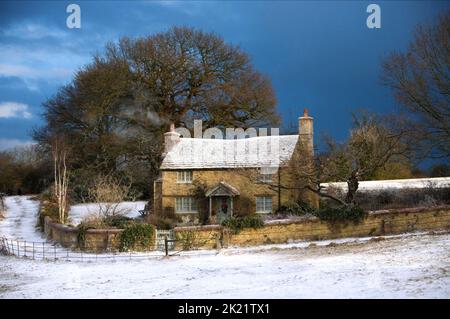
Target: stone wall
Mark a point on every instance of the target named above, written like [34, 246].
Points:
[97, 240]
[283, 231]
[274, 232]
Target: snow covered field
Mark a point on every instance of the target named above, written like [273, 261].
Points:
[410, 266]
[78, 212]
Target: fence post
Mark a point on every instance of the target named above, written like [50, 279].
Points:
[33, 250]
[54, 251]
[166, 246]
[25, 248]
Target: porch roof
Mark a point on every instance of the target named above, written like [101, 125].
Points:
[222, 189]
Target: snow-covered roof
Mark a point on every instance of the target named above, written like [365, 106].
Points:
[262, 151]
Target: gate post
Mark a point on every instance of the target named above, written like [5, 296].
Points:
[166, 246]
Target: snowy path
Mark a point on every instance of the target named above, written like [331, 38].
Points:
[21, 219]
[19, 227]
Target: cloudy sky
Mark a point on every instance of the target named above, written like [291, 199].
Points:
[319, 55]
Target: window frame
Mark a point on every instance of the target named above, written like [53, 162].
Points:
[265, 178]
[185, 177]
[187, 205]
[265, 200]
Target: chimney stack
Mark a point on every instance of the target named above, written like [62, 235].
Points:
[171, 138]
[306, 131]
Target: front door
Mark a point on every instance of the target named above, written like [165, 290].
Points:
[223, 208]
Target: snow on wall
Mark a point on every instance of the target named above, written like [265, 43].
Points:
[437, 182]
[78, 212]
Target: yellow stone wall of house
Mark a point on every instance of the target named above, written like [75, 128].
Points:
[243, 180]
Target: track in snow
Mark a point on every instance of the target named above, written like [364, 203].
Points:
[21, 217]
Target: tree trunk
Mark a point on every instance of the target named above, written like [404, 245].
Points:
[352, 185]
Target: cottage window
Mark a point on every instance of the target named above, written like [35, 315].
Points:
[186, 205]
[184, 177]
[264, 204]
[265, 174]
[265, 178]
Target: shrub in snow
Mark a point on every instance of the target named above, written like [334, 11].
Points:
[190, 240]
[167, 220]
[109, 191]
[236, 224]
[118, 221]
[50, 209]
[295, 209]
[344, 214]
[136, 236]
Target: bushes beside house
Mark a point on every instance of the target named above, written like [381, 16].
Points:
[236, 224]
[167, 220]
[354, 214]
[295, 209]
[330, 214]
[136, 236]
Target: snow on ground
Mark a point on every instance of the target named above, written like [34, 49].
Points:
[406, 266]
[437, 182]
[20, 219]
[80, 211]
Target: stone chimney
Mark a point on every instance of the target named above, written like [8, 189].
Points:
[171, 138]
[306, 131]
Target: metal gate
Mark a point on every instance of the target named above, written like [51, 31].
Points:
[160, 239]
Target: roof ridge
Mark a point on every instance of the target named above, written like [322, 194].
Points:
[235, 139]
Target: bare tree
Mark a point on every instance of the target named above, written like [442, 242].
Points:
[371, 146]
[61, 178]
[420, 80]
[108, 192]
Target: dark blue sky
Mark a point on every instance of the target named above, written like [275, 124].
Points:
[319, 55]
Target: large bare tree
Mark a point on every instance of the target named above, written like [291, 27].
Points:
[420, 80]
[185, 73]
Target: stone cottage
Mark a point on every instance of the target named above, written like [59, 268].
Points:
[236, 176]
